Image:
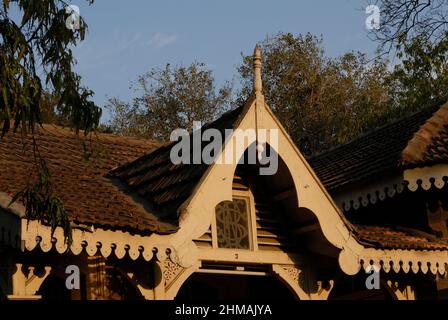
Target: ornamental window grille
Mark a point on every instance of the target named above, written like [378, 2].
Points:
[233, 224]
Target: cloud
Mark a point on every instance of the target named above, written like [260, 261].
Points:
[160, 40]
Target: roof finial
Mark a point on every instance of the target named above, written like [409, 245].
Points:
[257, 70]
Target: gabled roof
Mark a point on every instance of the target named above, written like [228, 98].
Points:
[163, 184]
[89, 189]
[145, 169]
[155, 178]
[377, 152]
[88, 196]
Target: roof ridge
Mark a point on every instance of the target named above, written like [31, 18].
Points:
[52, 128]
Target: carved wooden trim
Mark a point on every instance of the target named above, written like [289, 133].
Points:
[32, 234]
[364, 196]
[323, 291]
[437, 172]
[290, 275]
[26, 284]
[293, 272]
[106, 242]
[179, 279]
[401, 292]
[171, 271]
[407, 261]
[299, 281]
[352, 258]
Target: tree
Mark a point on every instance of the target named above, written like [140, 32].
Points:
[422, 76]
[404, 20]
[36, 37]
[322, 102]
[169, 98]
[41, 40]
[418, 29]
[50, 111]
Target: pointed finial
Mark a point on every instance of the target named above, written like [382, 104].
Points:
[257, 70]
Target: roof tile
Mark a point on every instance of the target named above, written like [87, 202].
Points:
[88, 196]
[162, 183]
[376, 152]
[399, 238]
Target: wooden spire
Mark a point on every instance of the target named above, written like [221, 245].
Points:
[258, 86]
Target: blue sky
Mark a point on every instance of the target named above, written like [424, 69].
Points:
[127, 38]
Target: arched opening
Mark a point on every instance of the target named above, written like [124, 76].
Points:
[53, 288]
[99, 280]
[262, 214]
[264, 218]
[354, 288]
[269, 200]
[296, 228]
[108, 282]
[208, 286]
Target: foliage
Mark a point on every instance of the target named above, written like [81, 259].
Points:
[418, 29]
[169, 98]
[422, 76]
[41, 39]
[322, 102]
[50, 111]
[42, 205]
[404, 20]
[35, 43]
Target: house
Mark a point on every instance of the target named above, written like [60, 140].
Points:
[145, 227]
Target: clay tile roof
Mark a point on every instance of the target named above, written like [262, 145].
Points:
[429, 145]
[374, 153]
[398, 238]
[89, 197]
[163, 184]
